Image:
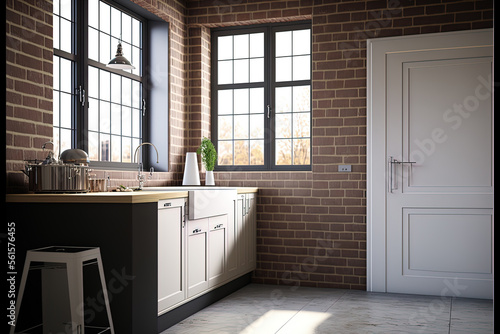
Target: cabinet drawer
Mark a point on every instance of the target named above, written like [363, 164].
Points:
[169, 203]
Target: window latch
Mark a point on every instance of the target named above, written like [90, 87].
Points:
[143, 107]
[268, 111]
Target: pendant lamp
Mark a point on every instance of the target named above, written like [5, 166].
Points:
[120, 62]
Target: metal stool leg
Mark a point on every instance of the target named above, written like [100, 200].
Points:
[105, 292]
[75, 284]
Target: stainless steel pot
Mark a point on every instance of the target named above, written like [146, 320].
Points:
[58, 178]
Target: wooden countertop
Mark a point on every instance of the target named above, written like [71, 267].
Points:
[132, 197]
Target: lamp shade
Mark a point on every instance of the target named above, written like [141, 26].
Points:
[120, 62]
[191, 172]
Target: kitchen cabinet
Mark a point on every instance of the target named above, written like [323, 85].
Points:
[171, 257]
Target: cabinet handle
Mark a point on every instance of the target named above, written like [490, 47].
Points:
[167, 204]
[196, 230]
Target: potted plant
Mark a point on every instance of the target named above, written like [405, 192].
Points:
[208, 158]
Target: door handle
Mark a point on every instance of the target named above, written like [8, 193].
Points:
[393, 184]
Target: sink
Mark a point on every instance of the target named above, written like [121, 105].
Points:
[204, 201]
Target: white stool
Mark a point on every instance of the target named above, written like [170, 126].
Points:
[56, 317]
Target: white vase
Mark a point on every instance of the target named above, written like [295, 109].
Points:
[191, 172]
[209, 178]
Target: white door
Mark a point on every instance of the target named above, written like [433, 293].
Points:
[439, 169]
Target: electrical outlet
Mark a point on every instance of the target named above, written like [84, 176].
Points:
[344, 168]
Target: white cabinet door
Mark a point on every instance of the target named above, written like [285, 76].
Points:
[241, 240]
[171, 286]
[217, 244]
[197, 250]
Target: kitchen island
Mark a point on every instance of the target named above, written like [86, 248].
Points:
[124, 225]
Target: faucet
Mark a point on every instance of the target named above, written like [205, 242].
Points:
[140, 176]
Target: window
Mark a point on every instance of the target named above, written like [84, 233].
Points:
[96, 108]
[261, 97]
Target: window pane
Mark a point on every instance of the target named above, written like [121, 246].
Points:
[283, 126]
[93, 82]
[225, 153]
[104, 116]
[116, 21]
[104, 147]
[241, 152]
[241, 102]
[241, 127]
[94, 10]
[284, 69]
[257, 126]
[136, 33]
[302, 42]
[301, 98]
[65, 142]
[301, 68]
[116, 148]
[56, 32]
[55, 108]
[301, 152]
[116, 88]
[283, 43]
[104, 88]
[136, 94]
[104, 48]
[283, 99]
[241, 71]
[257, 152]
[257, 100]
[241, 46]
[66, 109]
[126, 149]
[225, 102]
[283, 152]
[136, 123]
[93, 44]
[257, 45]
[93, 115]
[116, 119]
[126, 121]
[225, 72]
[225, 47]
[104, 16]
[257, 70]
[225, 127]
[93, 146]
[55, 72]
[127, 91]
[66, 78]
[65, 35]
[301, 125]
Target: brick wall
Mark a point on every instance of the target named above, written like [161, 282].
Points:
[28, 83]
[311, 225]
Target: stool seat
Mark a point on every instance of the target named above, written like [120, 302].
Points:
[67, 276]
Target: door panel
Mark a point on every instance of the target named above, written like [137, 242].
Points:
[440, 171]
[448, 123]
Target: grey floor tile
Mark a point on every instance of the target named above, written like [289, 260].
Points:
[263, 309]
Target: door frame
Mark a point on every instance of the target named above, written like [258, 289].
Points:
[377, 50]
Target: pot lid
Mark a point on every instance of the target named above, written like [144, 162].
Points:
[74, 155]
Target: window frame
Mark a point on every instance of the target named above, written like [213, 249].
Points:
[79, 56]
[269, 85]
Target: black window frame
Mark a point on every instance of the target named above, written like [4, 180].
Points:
[79, 55]
[269, 92]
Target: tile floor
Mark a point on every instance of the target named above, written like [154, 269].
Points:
[273, 309]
